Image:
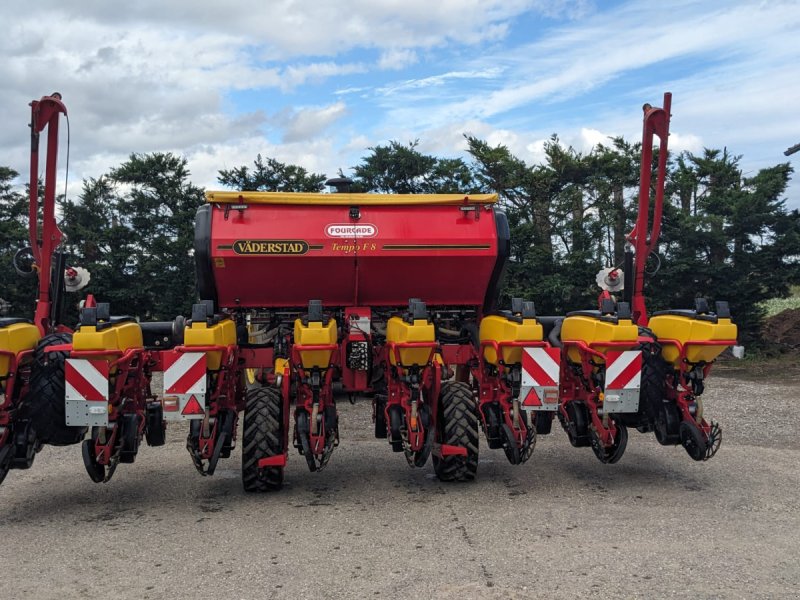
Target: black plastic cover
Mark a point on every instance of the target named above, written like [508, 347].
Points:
[89, 316]
[417, 309]
[199, 312]
[723, 310]
[503, 253]
[163, 334]
[701, 306]
[315, 311]
[7, 321]
[204, 274]
[103, 311]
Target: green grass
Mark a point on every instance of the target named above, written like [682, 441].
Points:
[773, 306]
[758, 366]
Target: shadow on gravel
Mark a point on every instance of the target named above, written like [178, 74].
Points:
[361, 478]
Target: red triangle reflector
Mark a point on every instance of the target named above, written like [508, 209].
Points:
[193, 407]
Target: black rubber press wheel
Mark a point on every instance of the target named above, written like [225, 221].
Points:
[458, 426]
[693, 441]
[611, 454]
[262, 437]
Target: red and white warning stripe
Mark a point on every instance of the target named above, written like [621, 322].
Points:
[184, 394]
[541, 365]
[185, 373]
[86, 380]
[623, 370]
[86, 392]
[541, 368]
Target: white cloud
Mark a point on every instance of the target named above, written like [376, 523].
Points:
[731, 66]
[286, 29]
[149, 76]
[294, 76]
[573, 60]
[536, 150]
[395, 59]
[307, 123]
[426, 83]
[351, 90]
[357, 143]
[589, 138]
[679, 142]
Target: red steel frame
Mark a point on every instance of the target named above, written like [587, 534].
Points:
[17, 369]
[305, 393]
[223, 393]
[129, 388]
[494, 388]
[44, 114]
[644, 237]
[400, 394]
[676, 387]
[354, 380]
[575, 388]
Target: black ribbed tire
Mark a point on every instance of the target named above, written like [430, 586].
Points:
[5, 461]
[662, 415]
[458, 426]
[262, 437]
[45, 404]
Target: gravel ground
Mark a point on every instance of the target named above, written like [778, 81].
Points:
[655, 525]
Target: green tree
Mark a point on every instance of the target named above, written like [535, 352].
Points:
[727, 237]
[553, 214]
[525, 194]
[134, 230]
[159, 208]
[402, 169]
[98, 241]
[616, 182]
[270, 175]
[18, 292]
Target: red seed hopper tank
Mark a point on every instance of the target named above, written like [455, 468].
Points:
[260, 250]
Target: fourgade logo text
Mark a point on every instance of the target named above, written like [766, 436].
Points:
[351, 230]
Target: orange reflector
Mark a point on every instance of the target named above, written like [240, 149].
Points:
[413, 423]
[170, 403]
[193, 407]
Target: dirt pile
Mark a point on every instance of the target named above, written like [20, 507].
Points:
[783, 329]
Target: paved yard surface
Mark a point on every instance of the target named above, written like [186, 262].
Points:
[655, 525]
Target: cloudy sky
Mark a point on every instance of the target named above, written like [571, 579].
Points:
[318, 82]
